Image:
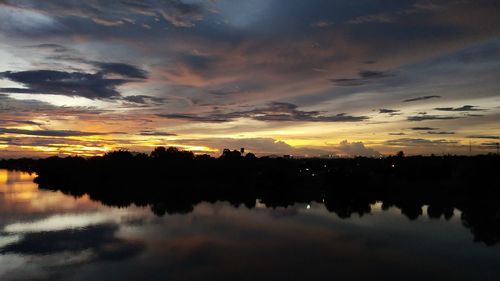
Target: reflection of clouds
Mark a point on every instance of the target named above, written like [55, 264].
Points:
[6, 240]
[20, 196]
[101, 239]
[59, 255]
[59, 222]
[227, 243]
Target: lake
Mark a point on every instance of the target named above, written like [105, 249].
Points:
[47, 235]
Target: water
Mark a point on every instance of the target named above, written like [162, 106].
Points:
[46, 235]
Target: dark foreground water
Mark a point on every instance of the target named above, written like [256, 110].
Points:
[47, 235]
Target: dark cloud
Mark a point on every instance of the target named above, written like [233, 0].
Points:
[388, 111]
[212, 118]
[373, 74]
[423, 129]
[123, 69]
[422, 98]
[419, 118]
[418, 142]
[490, 144]
[440, 133]
[225, 92]
[55, 48]
[397, 134]
[143, 99]
[88, 85]
[275, 111]
[22, 122]
[365, 77]
[156, 133]
[463, 108]
[484, 137]
[48, 133]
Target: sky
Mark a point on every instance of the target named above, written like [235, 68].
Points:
[306, 78]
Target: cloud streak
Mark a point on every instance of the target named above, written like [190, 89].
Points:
[273, 112]
[419, 142]
[365, 77]
[420, 118]
[459, 109]
[49, 133]
[484, 137]
[423, 129]
[422, 98]
[179, 13]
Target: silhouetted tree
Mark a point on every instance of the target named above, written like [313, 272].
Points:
[250, 156]
[230, 155]
[159, 152]
[174, 181]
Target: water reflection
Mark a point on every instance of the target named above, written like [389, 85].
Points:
[47, 235]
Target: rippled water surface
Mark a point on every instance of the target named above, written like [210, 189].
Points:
[47, 235]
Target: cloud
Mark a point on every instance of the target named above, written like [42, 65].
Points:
[55, 48]
[422, 98]
[398, 15]
[418, 142]
[275, 111]
[23, 110]
[356, 149]
[123, 69]
[484, 137]
[440, 133]
[365, 77]
[5, 122]
[432, 6]
[463, 108]
[156, 133]
[179, 13]
[49, 133]
[261, 146]
[423, 129]
[388, 111]
[270, 146]
[58, 144]
[213, 118]
[271, 58]
[88, 85]
[490, 144]
[225, 92]
[143, 99]
[322, 23]
[420, 118]
[378, 18]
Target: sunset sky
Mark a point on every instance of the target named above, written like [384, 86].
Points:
[315, 77]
